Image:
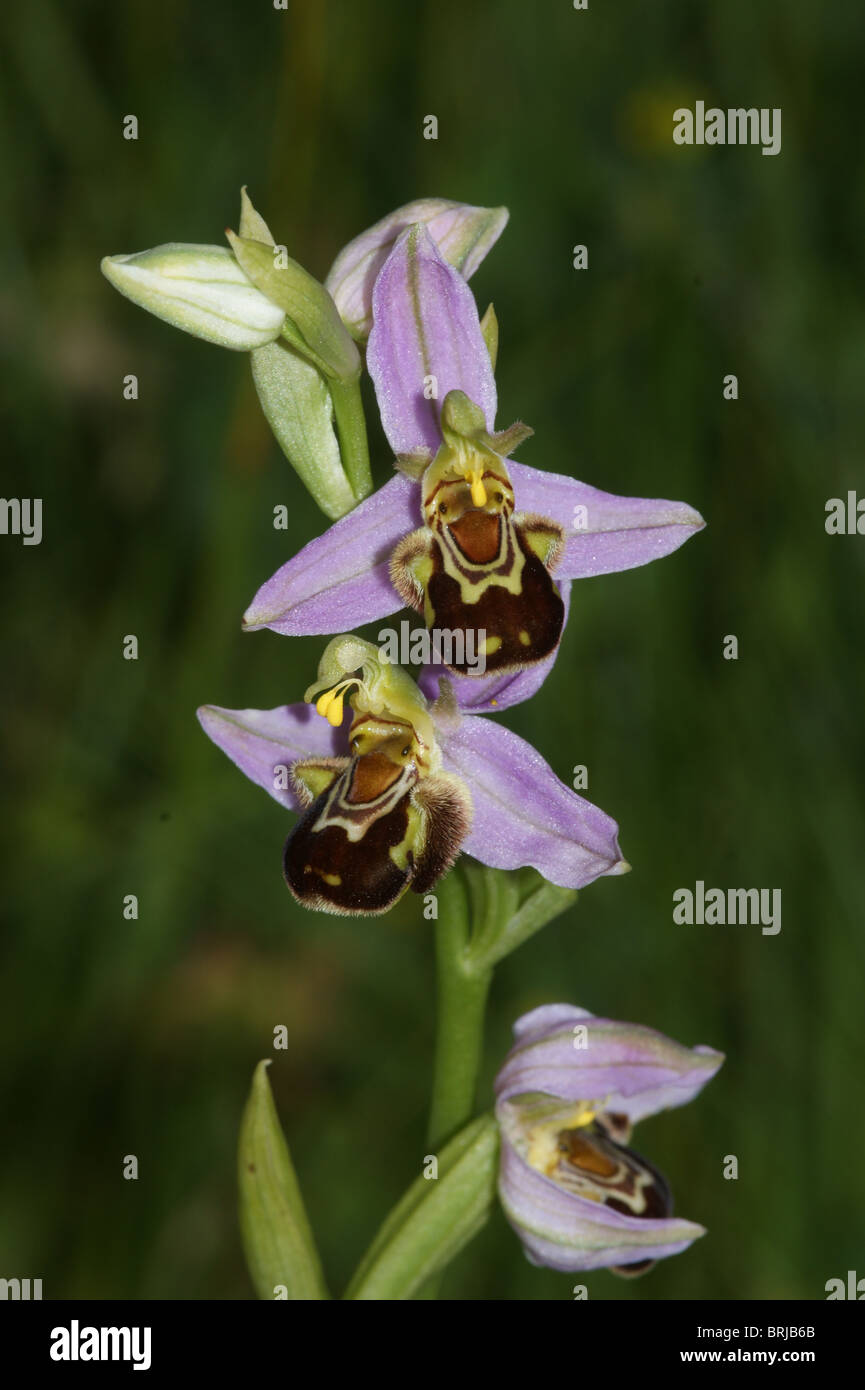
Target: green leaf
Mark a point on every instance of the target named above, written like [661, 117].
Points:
[277, 1239]
[435, 1218]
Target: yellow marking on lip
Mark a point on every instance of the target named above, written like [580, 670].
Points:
[332, 880]
[524, 637]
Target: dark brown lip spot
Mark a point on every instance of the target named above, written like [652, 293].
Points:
[477, 535]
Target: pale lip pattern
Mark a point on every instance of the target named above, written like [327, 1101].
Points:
[523, 814]
[623, 1068]
[426, 326]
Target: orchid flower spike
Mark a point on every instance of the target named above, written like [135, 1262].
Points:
[567, 1096]
[497, 542]
[394, 787]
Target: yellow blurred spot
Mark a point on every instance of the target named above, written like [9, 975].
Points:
[585, 1114]
[646, 118]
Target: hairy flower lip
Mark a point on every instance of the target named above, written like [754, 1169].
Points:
[638, 1071]
[523, 814]
[490, 694]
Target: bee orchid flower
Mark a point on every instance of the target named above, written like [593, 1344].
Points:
[498, 542]
[567, 1096]
[393, 787]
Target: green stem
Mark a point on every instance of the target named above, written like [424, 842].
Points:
[462, 990]
[462, 996]
[351, 428]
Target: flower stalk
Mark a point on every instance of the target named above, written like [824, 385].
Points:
[462, 990]
[484, 914]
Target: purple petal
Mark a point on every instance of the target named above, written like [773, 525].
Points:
[562, 1231]
[464, 234]
[262, 741]
[614, 533]
[340, 580]
[523, 814]
[425, 324]
[487, 694]
[631, 1068]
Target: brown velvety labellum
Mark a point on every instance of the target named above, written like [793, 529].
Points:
[324, 868]
[521, 628]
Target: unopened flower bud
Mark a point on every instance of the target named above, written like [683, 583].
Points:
[200, 289]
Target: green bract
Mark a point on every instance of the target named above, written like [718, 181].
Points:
[312, 325]
[278, 1242]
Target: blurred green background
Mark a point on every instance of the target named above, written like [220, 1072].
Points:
[140, 1037]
